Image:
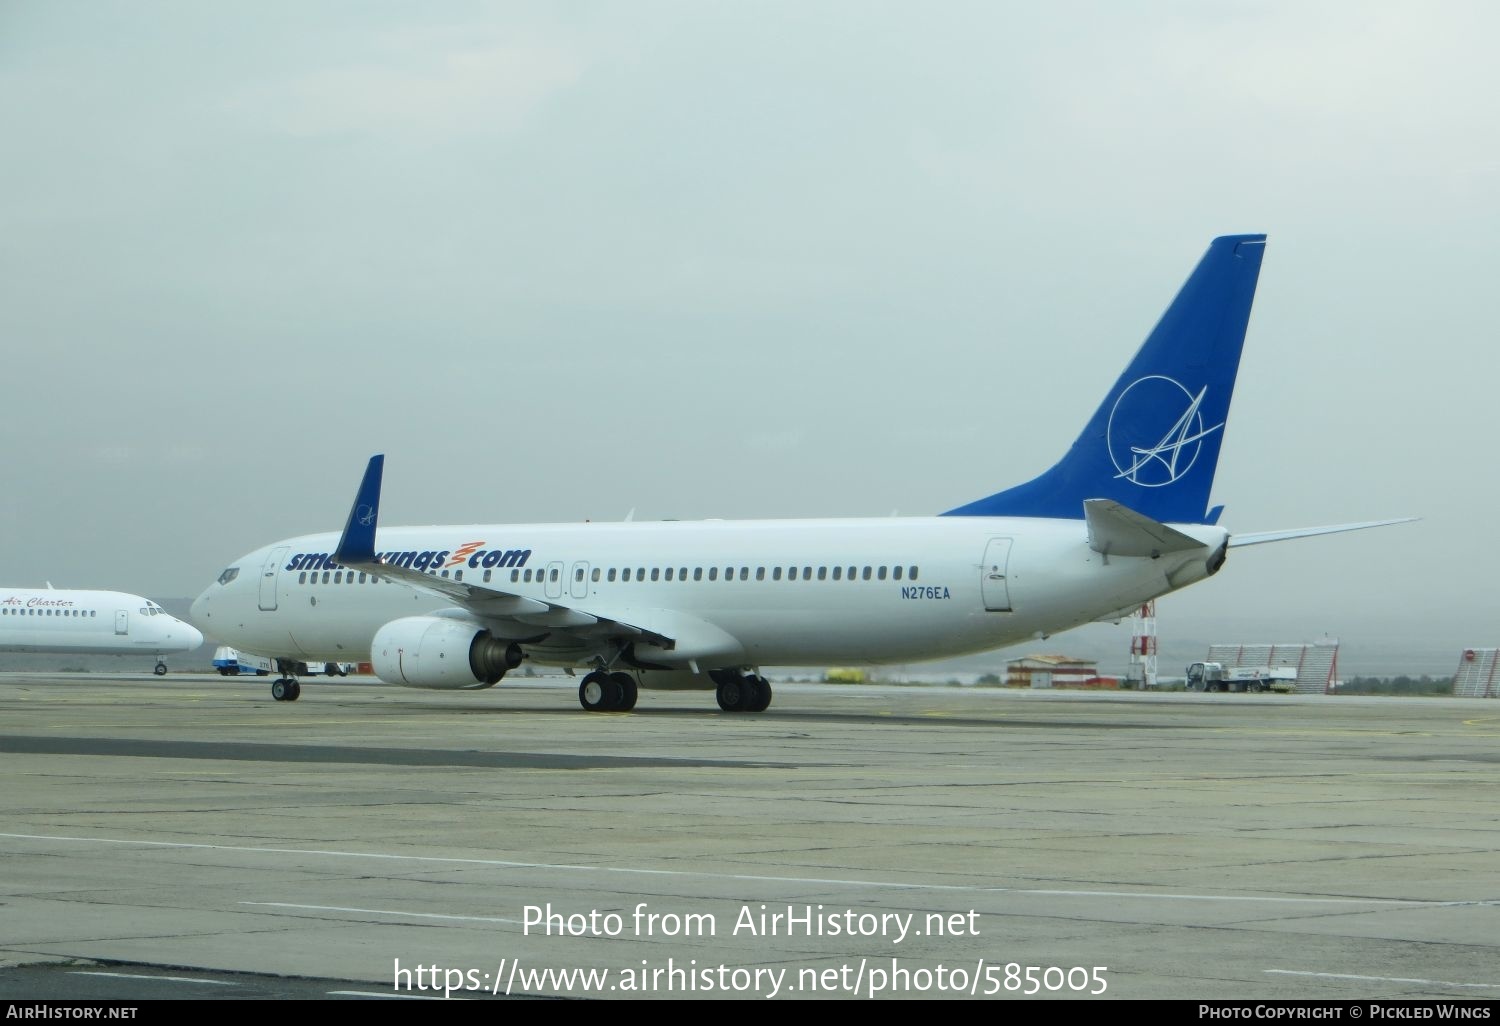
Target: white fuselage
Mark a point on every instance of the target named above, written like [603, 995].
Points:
[98, 622]
[788, 592]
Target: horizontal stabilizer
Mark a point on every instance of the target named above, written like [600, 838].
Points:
[1307, 532]
[1116, 530]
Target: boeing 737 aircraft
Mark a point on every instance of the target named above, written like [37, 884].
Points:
[91, 622]
[1123, 518]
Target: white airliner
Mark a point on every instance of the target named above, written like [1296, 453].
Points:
[91, 622]
[1124, 517]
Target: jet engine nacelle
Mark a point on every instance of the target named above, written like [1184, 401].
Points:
[441, 654]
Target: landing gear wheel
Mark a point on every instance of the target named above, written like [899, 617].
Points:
[628, 690]
[729, 693]
[762, 693]
[598, 693]
[279, 688]
[161, 670]
[294, 691]
[1254, 689]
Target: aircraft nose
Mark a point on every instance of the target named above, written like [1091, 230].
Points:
[193, 635]
[198, 611]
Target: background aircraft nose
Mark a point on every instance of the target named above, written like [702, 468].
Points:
[193, 635]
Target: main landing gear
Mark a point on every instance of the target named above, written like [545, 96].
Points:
[607, 692]
[161, 669]
[741, 692]
[285, 688]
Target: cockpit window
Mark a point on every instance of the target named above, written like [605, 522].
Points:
[229, 575]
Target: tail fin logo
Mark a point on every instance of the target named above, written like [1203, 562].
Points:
[365, 515]
[1147, 445]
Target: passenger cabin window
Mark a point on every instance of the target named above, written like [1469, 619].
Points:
[656, 573]
[881, 573]
[713, 573]
[912, 574]
[611, 575]
[776, 574]
[896, 573]
[760, 573]
[838, 573]
[595, 575]
[697, 573]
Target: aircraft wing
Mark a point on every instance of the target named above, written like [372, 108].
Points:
[518, 617]
[1261, 537]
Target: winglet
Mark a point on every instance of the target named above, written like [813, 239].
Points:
[358, 542]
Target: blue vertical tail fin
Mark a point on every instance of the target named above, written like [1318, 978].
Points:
[357, 543]
[1153, 444]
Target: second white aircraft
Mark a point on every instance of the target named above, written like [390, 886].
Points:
[67, 620]
[1123, 518]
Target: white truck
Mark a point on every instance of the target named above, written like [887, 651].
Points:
[1254, 679]
[231, 662]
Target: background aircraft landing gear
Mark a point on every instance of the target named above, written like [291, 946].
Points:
[161, 669]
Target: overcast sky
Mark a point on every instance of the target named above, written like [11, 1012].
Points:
[560, 261]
